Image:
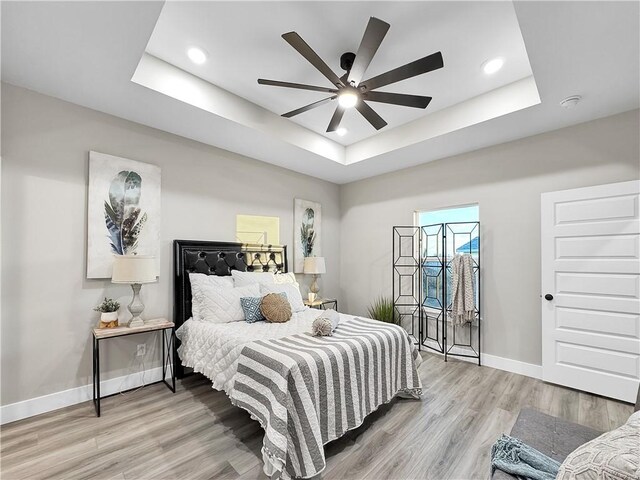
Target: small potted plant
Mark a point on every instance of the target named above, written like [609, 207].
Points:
[382, 309]
[109, 313]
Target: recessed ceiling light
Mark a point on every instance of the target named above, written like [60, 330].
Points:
[347, 98]
[492, 66]
[341, 131]
[197, 55]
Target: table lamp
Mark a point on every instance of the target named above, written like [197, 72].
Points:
[134, 270]
[314, 266]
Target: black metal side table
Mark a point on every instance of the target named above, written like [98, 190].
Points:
[323, 303]
[168, 342]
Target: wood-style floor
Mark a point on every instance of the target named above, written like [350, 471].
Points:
[197, 433]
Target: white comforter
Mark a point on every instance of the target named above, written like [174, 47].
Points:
[213, 349]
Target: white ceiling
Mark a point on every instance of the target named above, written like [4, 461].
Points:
[87, 53]
[243, 40]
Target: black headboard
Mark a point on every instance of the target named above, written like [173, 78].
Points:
[216, 258]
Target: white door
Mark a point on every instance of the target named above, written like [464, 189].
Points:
[591, 289]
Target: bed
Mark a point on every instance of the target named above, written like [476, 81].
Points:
[305, 391]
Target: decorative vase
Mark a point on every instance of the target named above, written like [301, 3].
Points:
[108, 320]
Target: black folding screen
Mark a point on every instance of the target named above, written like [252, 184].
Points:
[422, 289]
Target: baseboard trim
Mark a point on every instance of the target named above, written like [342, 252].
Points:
[513, 366]
[54, 401]
[502, 363]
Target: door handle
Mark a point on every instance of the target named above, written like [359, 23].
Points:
[548, 297]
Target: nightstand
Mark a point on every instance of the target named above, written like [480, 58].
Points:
[156, 325]
[323, 303]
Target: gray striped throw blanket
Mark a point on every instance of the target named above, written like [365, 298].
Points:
[307, 391]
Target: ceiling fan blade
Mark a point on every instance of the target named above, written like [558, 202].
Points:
[308, 107]
[335, 119]
[415, 101]
[296, 41]
[417, 67]
[372, 117]
[301, 86]
[373, 36]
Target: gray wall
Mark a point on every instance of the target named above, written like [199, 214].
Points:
[46, 300]
[506, 181]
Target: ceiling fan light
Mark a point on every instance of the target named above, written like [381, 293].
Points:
[347, 99]
[341, 131]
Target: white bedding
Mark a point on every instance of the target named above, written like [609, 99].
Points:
[213, 349]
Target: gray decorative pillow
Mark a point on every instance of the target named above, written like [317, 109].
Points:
[614, 455]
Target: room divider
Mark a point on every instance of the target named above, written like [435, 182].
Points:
[423, 263]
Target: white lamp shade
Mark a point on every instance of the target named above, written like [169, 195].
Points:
[314, 265]
[133, 269]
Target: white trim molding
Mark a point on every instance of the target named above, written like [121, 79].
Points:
[501, 363]
[54, 401]
[513, 366]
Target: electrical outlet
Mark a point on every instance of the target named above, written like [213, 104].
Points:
[142, 349]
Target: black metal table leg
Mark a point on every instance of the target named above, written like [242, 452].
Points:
[93, 378]
[167, 360]
[96, 380]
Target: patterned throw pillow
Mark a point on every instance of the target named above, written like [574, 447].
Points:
[613, 455]
[251, 308]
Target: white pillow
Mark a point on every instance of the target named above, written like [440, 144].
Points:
[240, 279]
[200, 281]
[292, 291]
[285, 278]
[222, 305]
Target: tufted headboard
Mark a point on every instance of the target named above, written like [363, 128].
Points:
[216, 258]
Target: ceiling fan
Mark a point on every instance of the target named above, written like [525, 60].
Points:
[350, 90]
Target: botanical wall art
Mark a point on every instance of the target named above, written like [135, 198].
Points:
[123, 211]
[307, 222]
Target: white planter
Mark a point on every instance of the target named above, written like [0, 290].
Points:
[108, 316]
[107, 319]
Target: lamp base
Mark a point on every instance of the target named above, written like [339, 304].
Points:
[314, 288]
[135, 322]
[136, 307]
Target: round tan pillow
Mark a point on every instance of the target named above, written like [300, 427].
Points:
[275, 308]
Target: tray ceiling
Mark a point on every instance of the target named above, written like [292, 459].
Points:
[243, 42]
[88, 53]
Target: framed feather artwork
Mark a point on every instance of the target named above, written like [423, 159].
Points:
[307, 229]
[123, 212]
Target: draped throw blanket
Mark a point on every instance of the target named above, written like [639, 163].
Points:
[518, 459]
[307, 391]
[463, 306]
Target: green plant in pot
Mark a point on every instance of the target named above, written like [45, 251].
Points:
[382, 309]
[108, 313]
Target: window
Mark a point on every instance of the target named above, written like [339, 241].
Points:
[462, 237]
[467, 213]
